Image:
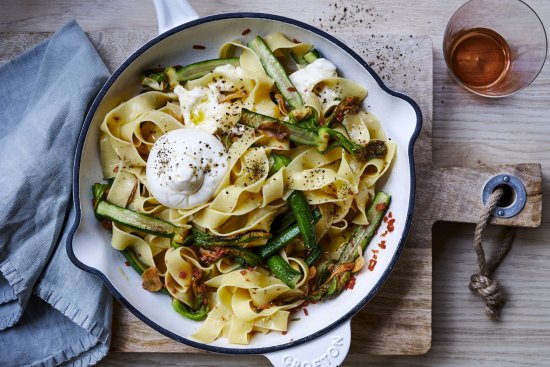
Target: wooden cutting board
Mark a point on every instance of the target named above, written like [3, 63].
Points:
[398, 320]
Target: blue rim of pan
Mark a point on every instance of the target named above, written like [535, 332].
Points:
[76, 197]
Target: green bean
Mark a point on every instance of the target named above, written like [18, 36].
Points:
[132, 259]
[301, 212]
[282, 222]
[300, 208]
[284, 238]
[196, 315]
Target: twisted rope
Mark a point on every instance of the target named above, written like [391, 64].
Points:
[481, 283]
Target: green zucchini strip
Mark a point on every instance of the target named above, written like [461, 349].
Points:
[275, 70]
[283, 271]
[251, 258]
[282, 222]
[173, 75]
[306, 58]
[298, 59]
[138, 221]
[201, 68]
[313, 255]
[319, 137]
[312, 55]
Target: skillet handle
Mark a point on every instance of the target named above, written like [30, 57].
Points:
[328, 350]
[172, 13]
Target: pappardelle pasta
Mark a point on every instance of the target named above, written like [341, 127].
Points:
[244, 186]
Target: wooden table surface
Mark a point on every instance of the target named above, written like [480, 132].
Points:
[467, 131]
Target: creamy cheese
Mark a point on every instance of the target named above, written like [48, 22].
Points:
[184, 168]
[201, 106]
[305, 79]
[231, 78]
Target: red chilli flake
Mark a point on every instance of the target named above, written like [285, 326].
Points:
[283, 332]
[199, 47]
[390, 215]
[382, 245]
[126, 263]
[243, 272]
[305, 311]
[351, 283]
[296, 41]
[380, 207]
[390, 225]
[246, 31]
[372, 264]
[291, 89]
[385, 219]
[182, 274]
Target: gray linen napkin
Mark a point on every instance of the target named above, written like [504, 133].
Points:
[51, 312]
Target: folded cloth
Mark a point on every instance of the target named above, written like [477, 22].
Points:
[51, 312]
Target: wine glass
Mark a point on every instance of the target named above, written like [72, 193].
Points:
[495, 48]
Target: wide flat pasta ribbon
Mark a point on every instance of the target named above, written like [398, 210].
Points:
[121, 123]
[242, 297]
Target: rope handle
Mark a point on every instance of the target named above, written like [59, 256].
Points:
[482, 283]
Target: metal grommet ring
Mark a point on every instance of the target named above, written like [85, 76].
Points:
[518, 191]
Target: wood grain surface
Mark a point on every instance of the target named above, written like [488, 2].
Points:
[467, 131]
[398, 320]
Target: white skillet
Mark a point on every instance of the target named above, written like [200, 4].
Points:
[323, 337]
